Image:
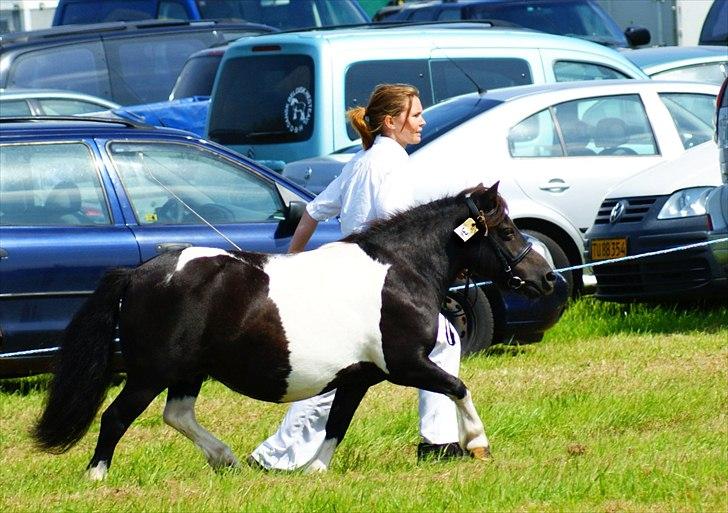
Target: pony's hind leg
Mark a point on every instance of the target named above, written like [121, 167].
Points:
[128, 405]
[179, 412]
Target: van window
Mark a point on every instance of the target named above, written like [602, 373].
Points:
[362, 77]
[273, 105]
[452, 77]
[568, 71]
[82, 65]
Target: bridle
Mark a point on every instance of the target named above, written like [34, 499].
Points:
[507, 260]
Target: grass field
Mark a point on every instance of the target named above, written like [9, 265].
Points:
[618, 409]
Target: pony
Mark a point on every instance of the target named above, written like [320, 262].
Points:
[266, 326]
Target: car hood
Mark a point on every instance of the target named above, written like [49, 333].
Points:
[697, 166]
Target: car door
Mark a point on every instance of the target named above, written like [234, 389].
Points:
[60, 229]
[183, 194]
[569, 154]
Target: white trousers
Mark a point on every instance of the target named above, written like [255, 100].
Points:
[303, 429]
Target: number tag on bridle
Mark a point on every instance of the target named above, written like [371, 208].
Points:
[467, 229]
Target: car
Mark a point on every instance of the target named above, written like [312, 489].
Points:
[679, 202]
[721, 128]
[556, 148]
[128, 63]
[691, 63]
[576, 18]
[305, 81]
[49, 102]
[715, 26]
[197, 75]
[283, 14]
[79, 196]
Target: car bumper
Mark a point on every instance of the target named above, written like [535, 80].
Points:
[689, 274]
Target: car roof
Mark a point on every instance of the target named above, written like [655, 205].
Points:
[92, 30]
[448, 34]
[73, 126]
[664, 57]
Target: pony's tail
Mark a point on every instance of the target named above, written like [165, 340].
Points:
[83, 368]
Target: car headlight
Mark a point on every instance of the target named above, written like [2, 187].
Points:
[685, 203]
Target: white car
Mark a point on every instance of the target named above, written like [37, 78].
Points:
[557, 149]
[700, 63]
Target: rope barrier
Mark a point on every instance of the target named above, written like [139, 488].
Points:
[460, 287]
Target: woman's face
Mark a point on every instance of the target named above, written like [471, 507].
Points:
[408, 124]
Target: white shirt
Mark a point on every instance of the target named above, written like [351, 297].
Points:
[372, 185]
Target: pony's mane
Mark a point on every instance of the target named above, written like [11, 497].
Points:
[434, 208]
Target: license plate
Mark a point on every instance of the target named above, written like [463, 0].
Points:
[608, 248]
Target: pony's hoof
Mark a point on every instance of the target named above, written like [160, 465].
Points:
[98, 473]
[480, 453]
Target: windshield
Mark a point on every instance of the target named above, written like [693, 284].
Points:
[276, 107]
[286, 14]
[445, 116]
[566, 18]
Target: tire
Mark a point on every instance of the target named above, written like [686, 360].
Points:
[471, 315]
[559, 257]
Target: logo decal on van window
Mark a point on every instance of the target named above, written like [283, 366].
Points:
[297, 111]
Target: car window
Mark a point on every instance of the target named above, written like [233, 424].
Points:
[197, 77]
[605, 126]
[163, 56]
[424, 14]
[715, 27]
[453, 77]
[203, 182]
[450, 14]
[535, 136]
[568, 71]
[67, 107]
[618, 124]
[81, 64]
[108, 10]
[172, 9]
[50, 185]
[362, 77]
[10, 108]
[276, 107]
[713, 73]
[693, 116]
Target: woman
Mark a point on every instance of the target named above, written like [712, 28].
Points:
[370, 186]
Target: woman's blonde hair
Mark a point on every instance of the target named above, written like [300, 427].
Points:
[386, 100]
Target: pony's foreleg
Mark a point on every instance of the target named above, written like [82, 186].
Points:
[179, 412]
[128, 405]
[425, 375]
[346, 401]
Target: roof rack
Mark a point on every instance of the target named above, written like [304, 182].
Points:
[86, 119]
[467, 24]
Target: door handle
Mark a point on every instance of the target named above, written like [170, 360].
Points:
[168, 247]
[3, 253]
[555, 185]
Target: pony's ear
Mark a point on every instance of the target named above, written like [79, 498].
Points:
[494, 187]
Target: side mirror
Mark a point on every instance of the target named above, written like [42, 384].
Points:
[637, 36]
[294, 213]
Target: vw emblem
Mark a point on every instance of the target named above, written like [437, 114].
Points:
[308, 173]
[617, 211]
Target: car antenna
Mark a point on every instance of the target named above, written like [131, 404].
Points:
[175, 196]
[478, 88]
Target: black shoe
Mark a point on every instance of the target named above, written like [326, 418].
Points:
[439, 452]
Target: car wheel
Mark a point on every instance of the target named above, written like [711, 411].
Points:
[557, 255]
[469, 312]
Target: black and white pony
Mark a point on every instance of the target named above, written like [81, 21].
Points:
[285, 327]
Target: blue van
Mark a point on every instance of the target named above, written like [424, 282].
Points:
[284, 96]
[282, 14]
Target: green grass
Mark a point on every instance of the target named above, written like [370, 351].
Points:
[619, 408]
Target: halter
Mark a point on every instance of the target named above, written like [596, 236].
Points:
[507, 261]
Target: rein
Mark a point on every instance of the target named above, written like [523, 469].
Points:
[507, 261]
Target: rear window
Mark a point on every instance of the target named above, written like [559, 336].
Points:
[286, 14]
[276, 107]
[197, 77]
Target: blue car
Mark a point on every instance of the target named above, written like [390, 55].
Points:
[80, 196]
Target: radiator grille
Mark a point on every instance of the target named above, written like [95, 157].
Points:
[635, 210]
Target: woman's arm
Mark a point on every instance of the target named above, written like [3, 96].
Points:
[302, 235]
